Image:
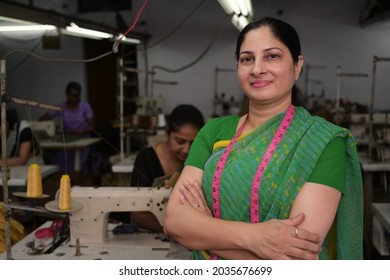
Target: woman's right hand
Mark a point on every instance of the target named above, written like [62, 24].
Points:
[283, 239]
[192, 194]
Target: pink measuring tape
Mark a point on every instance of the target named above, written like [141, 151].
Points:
[254, 203]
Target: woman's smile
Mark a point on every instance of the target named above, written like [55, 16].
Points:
[260, 83]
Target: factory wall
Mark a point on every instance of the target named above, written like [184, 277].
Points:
[335, 41]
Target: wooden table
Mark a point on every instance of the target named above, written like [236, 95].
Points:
[75, 145]
[369, 168]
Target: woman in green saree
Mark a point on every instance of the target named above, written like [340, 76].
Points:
[276, 183]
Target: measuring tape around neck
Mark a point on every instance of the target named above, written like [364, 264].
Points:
[254, 202]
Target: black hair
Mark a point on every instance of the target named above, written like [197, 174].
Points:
[287, 35]
[12, 117]
[182, 115]
[73, 86]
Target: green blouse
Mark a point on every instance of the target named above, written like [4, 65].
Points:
[329, 170]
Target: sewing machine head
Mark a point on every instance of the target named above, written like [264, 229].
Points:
[90, 224]
[43, 129]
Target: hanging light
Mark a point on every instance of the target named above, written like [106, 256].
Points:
[127, 40]
[74, 29]
[240, 10]
[35, 27]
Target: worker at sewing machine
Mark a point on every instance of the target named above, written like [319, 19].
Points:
[22, 147]
[78, 122]
[158, 164]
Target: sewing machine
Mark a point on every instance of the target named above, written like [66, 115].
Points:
[43, 129]
[96, 240]
[90, 223]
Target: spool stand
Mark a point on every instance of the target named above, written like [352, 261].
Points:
[7, 206]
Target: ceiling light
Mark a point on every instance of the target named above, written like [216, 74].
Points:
[239, 21]
[75, 30]
[240, 10]
[37, 27]
[124, 39]
[15, 20]
[72, 29]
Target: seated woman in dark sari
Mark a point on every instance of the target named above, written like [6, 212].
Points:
[161, 162]
[22, 147]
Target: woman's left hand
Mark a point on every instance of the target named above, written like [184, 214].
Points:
[192, 194]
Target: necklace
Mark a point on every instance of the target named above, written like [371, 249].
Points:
[254, 201]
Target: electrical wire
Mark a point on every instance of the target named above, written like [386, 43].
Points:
[115, 46]
[171, 32]
[67, 60]
[199, 57]
[178, 26]
[113, 50]
[20, 63]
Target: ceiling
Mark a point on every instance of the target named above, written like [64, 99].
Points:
[60, 13]
[361, 12]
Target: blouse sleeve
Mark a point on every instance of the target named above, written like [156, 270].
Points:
[147, 167]
[214, 130]
[25, 135]
[330, 169]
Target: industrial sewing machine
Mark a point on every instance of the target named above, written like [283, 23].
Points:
[91, 234]
[43, 129]
[90, 224]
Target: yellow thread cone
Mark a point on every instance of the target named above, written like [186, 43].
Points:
[65, 198]
[34, 181]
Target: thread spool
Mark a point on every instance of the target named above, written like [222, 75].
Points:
[65, 198]
[34, 181]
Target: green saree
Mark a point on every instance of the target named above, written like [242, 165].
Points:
[290, 167]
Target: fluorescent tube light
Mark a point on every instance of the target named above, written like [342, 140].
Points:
[27, 28]
[128, 40]
[240, 10]
[243, 8]
[15, 20]
[74, 30]
[239, 21]
[249, 7]
[225, 5]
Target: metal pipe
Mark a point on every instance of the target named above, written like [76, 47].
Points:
[216, 78]
[41, 211]
[382, 58]
[370, 128]
[352, 75]
[137, 70]
[7, 98]
[339, 75]
[338, 87]
[4, 166]
[121, 110]
[161, 82]
[306, 72]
